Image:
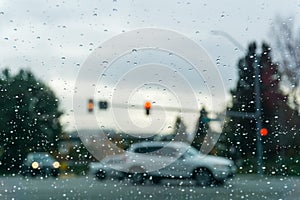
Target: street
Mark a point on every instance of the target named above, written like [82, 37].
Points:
[87, 187]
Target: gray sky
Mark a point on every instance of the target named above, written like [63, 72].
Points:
[54, 38]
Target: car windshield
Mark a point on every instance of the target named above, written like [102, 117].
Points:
[149, 99]
[43, 159]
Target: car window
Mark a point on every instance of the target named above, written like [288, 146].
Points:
[113, 161]
[168, 152]
[191, 152]
[157, 151]
[43, 159]
[149, 150]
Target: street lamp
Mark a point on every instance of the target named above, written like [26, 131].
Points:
[230, 38]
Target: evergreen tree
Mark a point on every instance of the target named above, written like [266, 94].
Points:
[29, 116]
[277, 116]
[240, 132]
[180, 130]
[202, 128]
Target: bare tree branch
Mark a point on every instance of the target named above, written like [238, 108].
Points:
[287, 41]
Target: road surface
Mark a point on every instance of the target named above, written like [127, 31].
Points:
[87, 187]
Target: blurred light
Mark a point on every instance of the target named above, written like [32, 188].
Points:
[90, 105]
[35, 165]
[147, 106]
[56, 165]
[264, 132]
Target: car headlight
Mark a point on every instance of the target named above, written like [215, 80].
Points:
[56, 165]
[35, 165]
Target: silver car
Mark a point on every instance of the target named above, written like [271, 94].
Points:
[179, 161]
[105, 170]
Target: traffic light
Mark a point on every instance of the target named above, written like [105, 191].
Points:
[103, 105]
[90, 106]
[147, 107]
[263, 132]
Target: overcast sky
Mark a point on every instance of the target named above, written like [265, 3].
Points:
[54, 38]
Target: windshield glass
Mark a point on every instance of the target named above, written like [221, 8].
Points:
[114, 95]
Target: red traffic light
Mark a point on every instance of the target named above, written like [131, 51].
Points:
[147, 106]
[263, 132]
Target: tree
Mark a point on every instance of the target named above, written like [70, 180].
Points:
[180, 130]
[179, 133]
[29, 115]
[202, 128]
[273, 101]
[280, 119]
[240, 132]
[277, 116]
[287, 41]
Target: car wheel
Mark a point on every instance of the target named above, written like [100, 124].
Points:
[101, 175]
[156, 180]
[137, 175]
[138, 178]
[203, 177]
[33, 174]
[24, 173]
[55, 174]
[122, 176]
[219, 182]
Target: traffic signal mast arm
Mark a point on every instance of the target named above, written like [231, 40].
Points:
[148, 106]
[241, 114]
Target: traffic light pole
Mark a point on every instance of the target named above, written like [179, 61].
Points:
[259, 147]
[257, 113]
